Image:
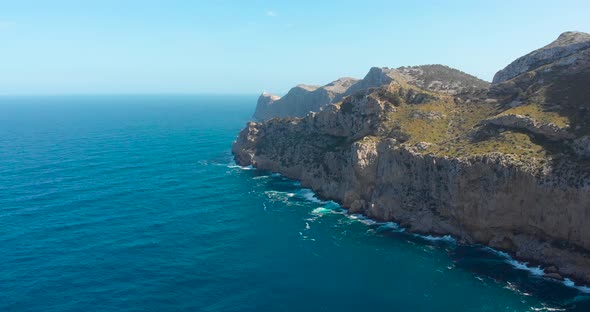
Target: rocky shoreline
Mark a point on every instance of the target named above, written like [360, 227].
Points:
[500, 166]
[534, 268]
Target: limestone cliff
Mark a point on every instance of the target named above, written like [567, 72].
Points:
[506, 166]
[301, 100]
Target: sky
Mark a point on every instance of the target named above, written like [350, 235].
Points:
[250, 46]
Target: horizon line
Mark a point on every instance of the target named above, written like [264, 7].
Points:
[6, 95]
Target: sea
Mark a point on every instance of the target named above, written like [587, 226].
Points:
[134, 203]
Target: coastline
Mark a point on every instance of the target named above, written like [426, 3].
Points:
[533, 268]
[504, 165]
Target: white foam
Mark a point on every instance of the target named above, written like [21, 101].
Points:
[279, 196]
[241, 167]
[569, 283]
[320, 211]
[445, 238]
[497, 252]
[537, 271]
[544, 308]
[515, 289]
[362, 219]
[310, 196]
[288, 194]
[391, 226]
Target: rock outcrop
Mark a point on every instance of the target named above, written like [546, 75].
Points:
[548, 130]
[506, 166]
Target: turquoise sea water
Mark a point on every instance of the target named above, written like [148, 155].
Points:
[133, 203]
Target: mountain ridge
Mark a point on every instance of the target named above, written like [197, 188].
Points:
[298, 104]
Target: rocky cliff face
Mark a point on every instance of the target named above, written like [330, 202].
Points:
[304, 99]
[507, 166]
[301, 100]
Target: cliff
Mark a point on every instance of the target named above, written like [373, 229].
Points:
[507, 166]
[303, 99]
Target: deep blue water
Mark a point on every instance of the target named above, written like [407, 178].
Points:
[132, 203]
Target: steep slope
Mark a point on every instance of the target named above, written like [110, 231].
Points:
[508, 167]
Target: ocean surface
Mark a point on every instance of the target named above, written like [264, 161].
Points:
[133, 203]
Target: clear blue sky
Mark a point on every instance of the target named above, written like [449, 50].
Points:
[247, 46]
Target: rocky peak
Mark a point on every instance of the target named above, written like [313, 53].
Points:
[441, 78]
[341, 85]
[569, 38]
[567, 44]
[266, 97]
[304, 87]
[550, 95]
[376, 77]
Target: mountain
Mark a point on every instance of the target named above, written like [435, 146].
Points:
[505, 165]
[303, 98]
[566, 45]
